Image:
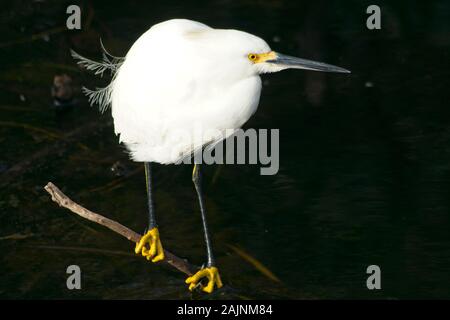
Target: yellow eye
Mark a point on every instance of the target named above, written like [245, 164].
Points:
[252, 57]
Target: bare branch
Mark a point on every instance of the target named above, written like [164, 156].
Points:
[62, 200]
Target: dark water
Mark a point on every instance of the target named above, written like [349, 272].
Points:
[364, 159]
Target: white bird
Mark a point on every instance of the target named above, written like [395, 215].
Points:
[180, 78]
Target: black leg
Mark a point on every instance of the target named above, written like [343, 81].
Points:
[210, 272]
[151, 208]
[197, 179]
[149, 245]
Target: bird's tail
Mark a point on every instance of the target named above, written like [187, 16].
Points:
[100, 96]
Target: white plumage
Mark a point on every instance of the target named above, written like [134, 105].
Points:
[182, 77]
[183, 85]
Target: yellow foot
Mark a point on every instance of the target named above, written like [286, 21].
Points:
[156, 252]
[213, 279]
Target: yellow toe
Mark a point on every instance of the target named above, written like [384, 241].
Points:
[149, 246]
[212, 273]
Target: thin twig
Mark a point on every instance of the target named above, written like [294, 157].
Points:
[62, 200]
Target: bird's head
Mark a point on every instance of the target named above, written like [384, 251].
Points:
[256, 54]
[238, 54]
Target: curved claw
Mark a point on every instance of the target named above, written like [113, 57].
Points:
[212, 273]
[156, 252]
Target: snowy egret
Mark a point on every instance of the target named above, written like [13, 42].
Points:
[178, 76]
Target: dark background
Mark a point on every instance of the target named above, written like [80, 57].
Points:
[364, 158]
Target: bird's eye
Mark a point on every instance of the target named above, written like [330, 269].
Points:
[252, 57]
